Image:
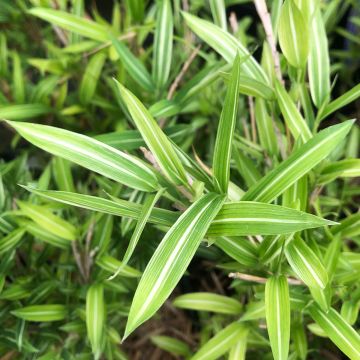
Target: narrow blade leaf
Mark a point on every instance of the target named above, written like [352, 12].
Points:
[171, 259]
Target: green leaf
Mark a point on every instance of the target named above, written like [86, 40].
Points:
[240, 249]
[95, 317]
[221, 342]
[171, 259]
[343, 168]
[142, 221]
[90, 153]
[277, 304]
[41, 313]
[73, 23]
[18, 79]
[23, 111]
[46, 236]
[48, 221]
[163, 43]
[156, 140]
[205, 301]
[319, 60]
[10, 241]
[293, 34]
[62, 174]
[265, 128]
[226, 128]
[340, 102]
[226, 45]
[238, 351]
[117, 208]
[338, 330]
[171, 345]
[253, 218]
[218, 12]
[133, 65]
[298, 164]
[292, 116]
[110, 264]
[90, 78]
[306, 264]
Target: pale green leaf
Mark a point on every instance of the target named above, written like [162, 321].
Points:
[73, 23]
[293, 34]
[205, 301]
[253, 218]
[277, 304]
[292, 116]
[338, 330]
[163, 43]
[221, 342]
[306, 264]
[41, 313]
[171, 258]
[156, 140]
[95, 317]
[319, 61]
[226, 45]
[299, 163]
[48, 221]
[226, 128]
[91, 154]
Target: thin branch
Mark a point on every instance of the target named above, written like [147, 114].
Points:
[183, 71]
[264, 15]
[127, 36]
[77, 258]
[260, 280]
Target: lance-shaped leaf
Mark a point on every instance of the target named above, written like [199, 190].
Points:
[319, 60]
[221, 342]
[226, 45]
[306, 264]
[225, 132]
[338, 330]
[171, 259]
[292, 116]
[133, 65]
[73, 23]
[155, 138]
[46, 236]
[95, 317]
[90, 153]
[90, 78]
[10, 241]
[23, 111]
[48, 221]
[277, 304]
[253, 218]
[108, 263]
[240, 249]
[142, 221]
[293, 34]
[204, 301]
[218, 12]
[163, 43]
[117, 208]
[265, 128]
[238, 351]
[41, 313]
[298, 164]
[343, 168]
[171, 345]
[341, 101]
